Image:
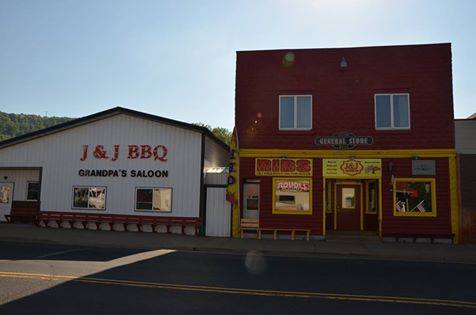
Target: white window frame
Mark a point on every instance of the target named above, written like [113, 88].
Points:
[295, 112]
[152, 210]
[392, 127]
[88, 207]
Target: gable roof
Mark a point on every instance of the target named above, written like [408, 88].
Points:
[106, 114]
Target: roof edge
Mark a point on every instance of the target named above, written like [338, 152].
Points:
[103, 115]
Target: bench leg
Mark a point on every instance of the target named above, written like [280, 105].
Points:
[259, 233]
[293, 235]
[241, 233]
[307, 235]
[275, 234]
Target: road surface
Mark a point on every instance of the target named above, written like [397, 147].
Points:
[37, 278]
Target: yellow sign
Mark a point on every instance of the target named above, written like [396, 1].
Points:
[352, 168]
[283, 167]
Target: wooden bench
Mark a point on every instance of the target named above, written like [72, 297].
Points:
[249, 225]
[293, 232]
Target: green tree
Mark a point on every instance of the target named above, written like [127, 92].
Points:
[221, 133]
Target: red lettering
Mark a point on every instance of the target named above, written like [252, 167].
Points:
[116, 153]
[288, 166]
[160, 153]
[85, 153]
[133, 151]
[145, 151]
[99, 152]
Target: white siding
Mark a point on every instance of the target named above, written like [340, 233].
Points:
[218, 216]
[465, 136]
[21, 179]
[59, 154]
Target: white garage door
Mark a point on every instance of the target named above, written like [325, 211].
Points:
[218, 218]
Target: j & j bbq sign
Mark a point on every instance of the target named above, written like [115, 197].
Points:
[344, 141]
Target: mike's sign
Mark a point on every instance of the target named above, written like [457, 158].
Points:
[132, 151]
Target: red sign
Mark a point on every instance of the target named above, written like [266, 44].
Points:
[283, 167]
[134, 151]
[293, 186]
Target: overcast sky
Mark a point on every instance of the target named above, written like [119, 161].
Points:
[177, 58]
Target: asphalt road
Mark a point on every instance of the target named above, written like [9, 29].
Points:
[46, 278]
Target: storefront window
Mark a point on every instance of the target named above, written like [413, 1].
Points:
[292, 196]
[414, 197]
[329, 203]
[33, 191]
[89, 198]
[372, 199]
[154, 199]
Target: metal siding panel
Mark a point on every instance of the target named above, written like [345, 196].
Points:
[59, 156]
[218, 217]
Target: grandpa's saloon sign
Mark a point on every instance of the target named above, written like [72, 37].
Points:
[132, 152]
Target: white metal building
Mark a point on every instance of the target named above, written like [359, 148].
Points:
[114, 167]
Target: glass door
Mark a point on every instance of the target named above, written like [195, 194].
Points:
[251, 201]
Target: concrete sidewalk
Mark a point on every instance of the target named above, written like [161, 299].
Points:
[344, 248]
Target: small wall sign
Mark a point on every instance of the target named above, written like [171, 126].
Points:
[352, 168]
[423, 167]
[344, 141]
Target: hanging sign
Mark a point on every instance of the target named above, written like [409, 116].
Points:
[344, 141]
[283, 167]
[352, 168]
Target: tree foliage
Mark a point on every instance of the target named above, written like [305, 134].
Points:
[12, 125]
[221, 133]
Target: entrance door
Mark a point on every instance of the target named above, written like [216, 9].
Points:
[251, 201]
[348, 207]
[6, 196]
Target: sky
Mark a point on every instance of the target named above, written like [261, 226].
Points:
[177, 58]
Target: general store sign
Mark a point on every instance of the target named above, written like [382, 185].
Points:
[283, 167]
[352, 168]
[344, 141]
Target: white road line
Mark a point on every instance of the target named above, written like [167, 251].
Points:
[61, 252]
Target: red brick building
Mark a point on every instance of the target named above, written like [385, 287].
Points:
[357, 139]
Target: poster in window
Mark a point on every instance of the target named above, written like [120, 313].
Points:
[414, 197]
[292, 196]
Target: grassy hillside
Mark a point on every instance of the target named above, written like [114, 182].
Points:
[12, 125]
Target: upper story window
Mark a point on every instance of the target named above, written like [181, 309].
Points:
[295, 112]
[392, 111]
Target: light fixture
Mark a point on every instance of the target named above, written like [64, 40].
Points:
[343, 63]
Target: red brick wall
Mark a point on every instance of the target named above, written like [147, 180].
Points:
[343, 100]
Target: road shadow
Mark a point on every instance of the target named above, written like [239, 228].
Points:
[103, 293]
